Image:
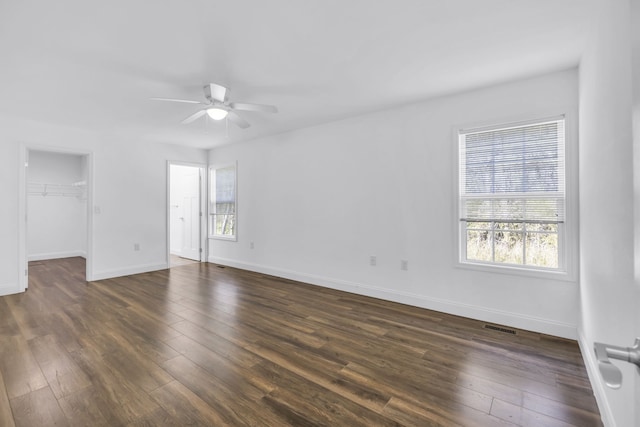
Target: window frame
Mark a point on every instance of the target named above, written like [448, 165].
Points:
[567, 231]
[211, 208]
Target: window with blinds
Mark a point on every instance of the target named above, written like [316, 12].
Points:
[222, 208]
[512, 193]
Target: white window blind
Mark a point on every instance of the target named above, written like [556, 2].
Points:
[223, 202]
[225, 191]
[514, 173]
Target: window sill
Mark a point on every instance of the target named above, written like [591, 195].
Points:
[515, 270]
[227, 238]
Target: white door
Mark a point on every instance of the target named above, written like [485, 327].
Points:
[185, 211]
[191, 215]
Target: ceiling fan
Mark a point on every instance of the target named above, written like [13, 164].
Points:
[218, 106]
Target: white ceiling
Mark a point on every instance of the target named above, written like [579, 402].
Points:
[96, 64]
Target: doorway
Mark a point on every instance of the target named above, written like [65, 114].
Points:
[54, 199]
[186, 207]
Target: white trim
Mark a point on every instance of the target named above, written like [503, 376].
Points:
[516, 320]
[516, 270]
[136, 269]
[56, 255]
[510, 125]
[168, 212]
[597, 385]
[23, 281]
[9, 289]
[227, 238]
[90, 201]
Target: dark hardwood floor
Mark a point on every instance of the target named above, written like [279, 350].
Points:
[210, 346]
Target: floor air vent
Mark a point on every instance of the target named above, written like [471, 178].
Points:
[500, 329]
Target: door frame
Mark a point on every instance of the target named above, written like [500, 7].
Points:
[203, 208]
[23, 262]
[635, 126]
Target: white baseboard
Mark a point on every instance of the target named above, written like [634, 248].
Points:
[9, 289]
[590, 362]
[514, 320]
[136, 269]
[56, 255]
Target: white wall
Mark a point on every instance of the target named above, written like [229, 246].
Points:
[318, 202]
[57, 224]
[129, 187]
[607, 202]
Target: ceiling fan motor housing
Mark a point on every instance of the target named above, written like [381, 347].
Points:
[214, 92]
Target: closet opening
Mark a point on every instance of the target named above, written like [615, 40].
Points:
[56, 226]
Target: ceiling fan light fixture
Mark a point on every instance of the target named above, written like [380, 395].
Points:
[217, 113]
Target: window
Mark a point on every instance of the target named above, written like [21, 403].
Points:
[512, 195]
[222, 210]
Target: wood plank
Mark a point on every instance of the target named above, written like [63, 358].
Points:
[64, 335]
[38, 408]
[439, 399]
[233, 398]
[92, 407]
[138, 370]
[8, 325]
[524, 417]
[114, 386]
[22, 374]
[290, 399]
[159, 417]
[316, 369]
[29, 314]
[568, 411]
[222, 340]
[231, 361]
[62, 374]
[182, 404]
[6, 416]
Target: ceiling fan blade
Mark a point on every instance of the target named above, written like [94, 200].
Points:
[253, 107]
[216, 92]
[186, 101]
[193, 117]
[237, 120]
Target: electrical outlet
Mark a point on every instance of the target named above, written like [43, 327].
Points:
[136, 246]
[251, 245]
[373, 260]
[404, 265]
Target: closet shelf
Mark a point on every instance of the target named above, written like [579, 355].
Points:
[47, 189]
